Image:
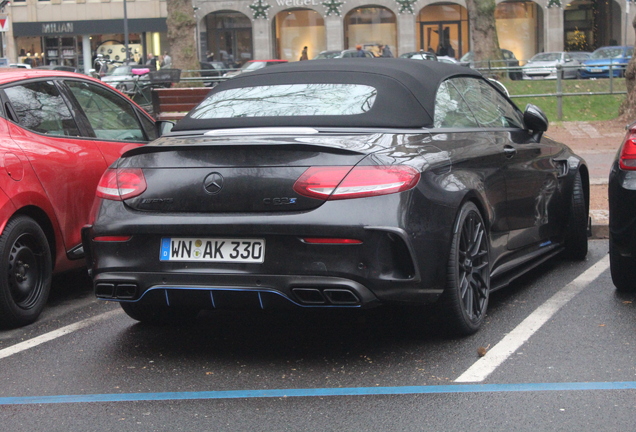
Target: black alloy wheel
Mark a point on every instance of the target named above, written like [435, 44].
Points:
[25, 279]
[465, 299]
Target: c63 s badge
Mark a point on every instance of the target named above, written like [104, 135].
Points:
[279, 201]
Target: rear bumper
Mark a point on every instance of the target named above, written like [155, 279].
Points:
[396, 262]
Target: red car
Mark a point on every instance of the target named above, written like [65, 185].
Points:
[59, 131]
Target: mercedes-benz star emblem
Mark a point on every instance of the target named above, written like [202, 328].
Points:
[213, 183]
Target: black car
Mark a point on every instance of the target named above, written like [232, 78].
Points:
[622, 224]
[509, 61]
[214, 70]
[338, 184]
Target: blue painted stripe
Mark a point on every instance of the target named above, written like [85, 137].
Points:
[320, 392]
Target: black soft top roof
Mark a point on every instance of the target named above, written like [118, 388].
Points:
[405, 99]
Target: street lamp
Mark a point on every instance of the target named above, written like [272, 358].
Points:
[126, 33]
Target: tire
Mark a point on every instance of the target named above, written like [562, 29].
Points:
[622, 269]
[465, 299]
[576, 229]
[25, 279]
[158, 314]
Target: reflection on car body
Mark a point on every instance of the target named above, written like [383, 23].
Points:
[338, 184]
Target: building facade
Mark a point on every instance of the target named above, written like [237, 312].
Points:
[73, 32]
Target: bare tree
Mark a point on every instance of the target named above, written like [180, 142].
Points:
[483, 32]
[182, 25]
[627, 111]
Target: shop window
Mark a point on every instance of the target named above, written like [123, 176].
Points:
[298, 28]
[371, 27]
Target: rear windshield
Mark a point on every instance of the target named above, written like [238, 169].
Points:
[288, 100]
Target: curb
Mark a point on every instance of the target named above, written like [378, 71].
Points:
[600, 224]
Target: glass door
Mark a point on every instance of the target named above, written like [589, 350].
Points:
[442, 38]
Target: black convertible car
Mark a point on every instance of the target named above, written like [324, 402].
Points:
[338, 184]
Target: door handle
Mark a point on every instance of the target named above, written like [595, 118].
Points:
[509, 151]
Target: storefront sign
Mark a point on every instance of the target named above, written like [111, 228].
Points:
[297, 3]
[4, 23]
[57, 28]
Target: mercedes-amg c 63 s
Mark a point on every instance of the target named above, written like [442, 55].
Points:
[338, 184]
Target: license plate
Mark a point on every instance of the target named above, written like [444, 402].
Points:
[212, 250]
[596, 70]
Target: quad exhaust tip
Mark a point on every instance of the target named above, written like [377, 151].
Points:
[326, 296]
[123, 291]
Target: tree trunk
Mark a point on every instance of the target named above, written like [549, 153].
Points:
[182, 25]
[483, 33]
[627, 111]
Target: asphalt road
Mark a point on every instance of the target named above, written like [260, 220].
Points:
[560, 356]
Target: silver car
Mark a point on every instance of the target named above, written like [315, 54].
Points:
[544, 66]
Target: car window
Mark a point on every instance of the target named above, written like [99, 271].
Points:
[287, 100]
[111, 117]
[451, 110]
[490, 108]
[41, 108]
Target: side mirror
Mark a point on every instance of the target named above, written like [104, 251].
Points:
[535, 121]
[164, 126]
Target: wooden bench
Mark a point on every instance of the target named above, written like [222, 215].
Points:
[174, 103]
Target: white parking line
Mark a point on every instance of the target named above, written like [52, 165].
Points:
[483, 367]
[22, 346]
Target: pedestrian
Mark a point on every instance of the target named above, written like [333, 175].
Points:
[359, 52]
[386, 51]
[303, 55]
[167, 60]
[152, 62]
[209, 56]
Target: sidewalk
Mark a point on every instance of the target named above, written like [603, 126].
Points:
[597, 142]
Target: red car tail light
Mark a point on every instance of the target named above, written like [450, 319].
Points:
[121, 184]
[112, 238]
[627, 160]
[336, 183]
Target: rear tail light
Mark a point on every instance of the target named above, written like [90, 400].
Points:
[336, 183]
[121, 184]
[627, 160]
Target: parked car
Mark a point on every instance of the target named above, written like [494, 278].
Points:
[447, 59]
[349, 53]
[253, 65]
[60, 131]
[580, 56]
[509, 61]
[601, 60]
[397, 182]
[58, 68]
[419, 55]
[123, 77]
[214, 69]
[328, 54]
[622, 214]
[544, 66]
